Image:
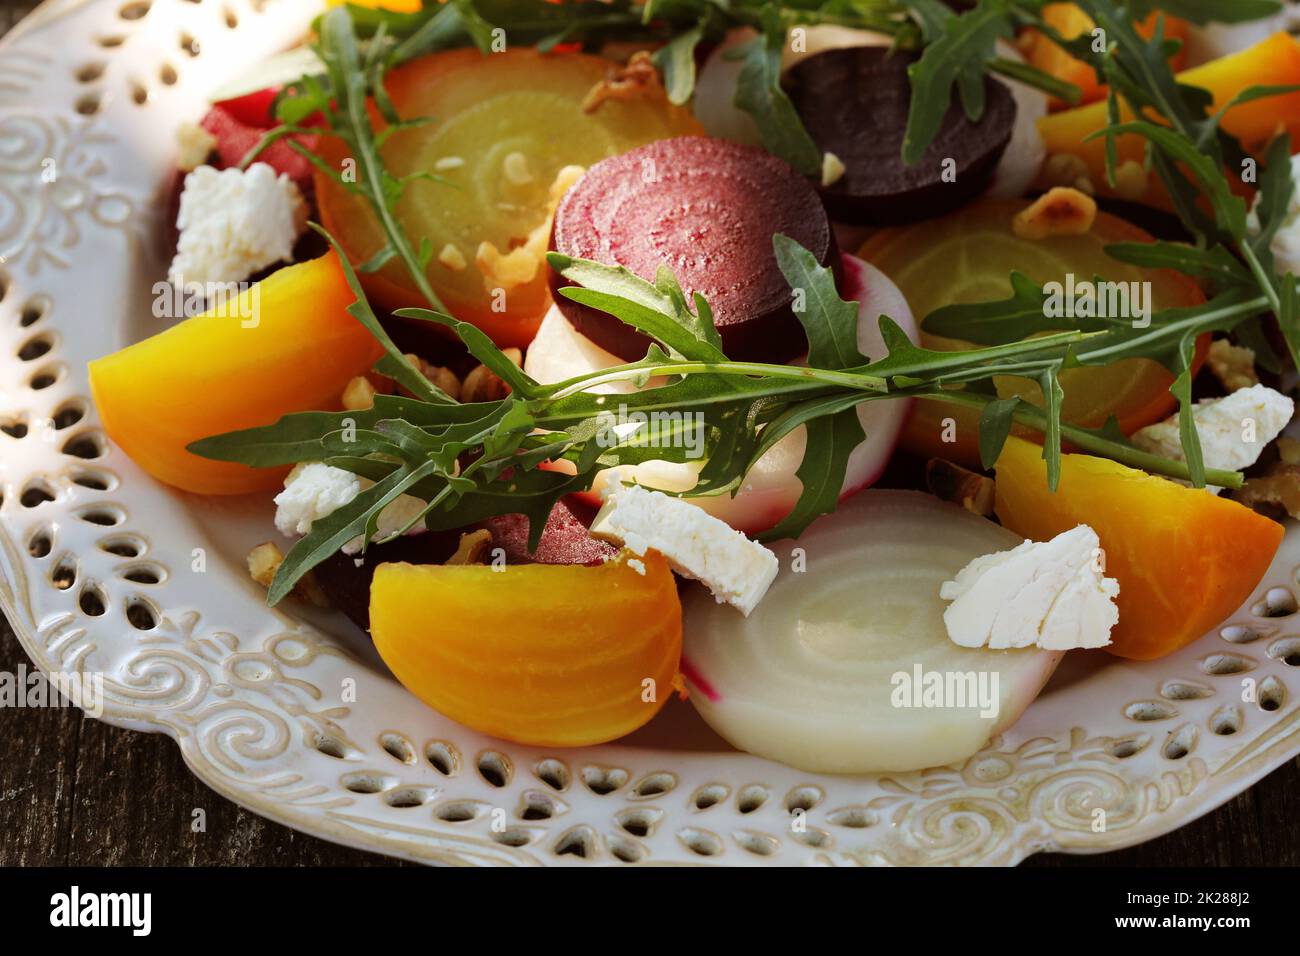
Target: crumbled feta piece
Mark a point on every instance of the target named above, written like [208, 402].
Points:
[194, 146]
[1045, 594]
[1286, 241]
[697, 545]
[235, 222]
[1233, 429]
[313, 490]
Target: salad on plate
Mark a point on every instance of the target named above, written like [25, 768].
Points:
[838, 365]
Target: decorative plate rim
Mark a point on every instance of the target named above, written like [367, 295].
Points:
[250, 714]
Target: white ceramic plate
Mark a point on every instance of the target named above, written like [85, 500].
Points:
[298, 721]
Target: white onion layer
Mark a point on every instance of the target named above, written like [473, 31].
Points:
[809, 678]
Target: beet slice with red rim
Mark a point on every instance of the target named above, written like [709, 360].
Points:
[707, 209]
[854, 103]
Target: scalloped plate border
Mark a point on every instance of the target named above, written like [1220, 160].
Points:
[265, 708]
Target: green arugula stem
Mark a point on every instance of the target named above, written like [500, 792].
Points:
[1090, 441]
[854, 381]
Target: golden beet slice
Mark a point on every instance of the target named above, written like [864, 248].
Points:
[1185, 559]
[548, 655]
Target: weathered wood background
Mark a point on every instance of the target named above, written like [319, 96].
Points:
[79, 792]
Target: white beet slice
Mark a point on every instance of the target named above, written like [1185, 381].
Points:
[771, 488]
[808, 678]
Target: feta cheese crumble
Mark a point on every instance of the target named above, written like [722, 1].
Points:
[697, 545]
[234, 222]
[1041, 594]
[1233, 429]
[313, 490]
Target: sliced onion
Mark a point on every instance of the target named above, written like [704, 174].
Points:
[808, 678]
[772, 487]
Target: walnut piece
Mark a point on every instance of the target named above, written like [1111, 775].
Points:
[473, 546]
[1276, 493]
[1061, 211]
[483, 385]
[1232, 365]
[265, 560]
[639, 77]
[972, 491]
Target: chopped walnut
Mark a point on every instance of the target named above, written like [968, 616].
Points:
[640, 77]
[265, 560]
[195, 145]
[1067, 169]
[483, 385]
[972, 491]
[359, 394]
[1232, 365]
[473, 546]
[1288, 449]
[443, 378]
[1062, 211]
[1276, 493]
[508, 270]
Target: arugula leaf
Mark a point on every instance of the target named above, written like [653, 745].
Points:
[995, 425]
[658, 309]
[966, 46]
[676, 60]
[830, 323]
[831, 441]
[393, 364]
[1207, 11]
[1216, 263]
[1182, 390]
[759, 93]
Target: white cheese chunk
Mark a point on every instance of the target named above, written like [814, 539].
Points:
[313, 490]
[1233, 429]
[233, 223]
[697, 545]
[1041, 594]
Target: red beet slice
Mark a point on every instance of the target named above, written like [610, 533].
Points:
[565, 540]
[707, 209]
[235, 138]
[854, 103]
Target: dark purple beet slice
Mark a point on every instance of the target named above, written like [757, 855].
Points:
[707, 209]
[854, 103]
[565, 539]
[345, 578]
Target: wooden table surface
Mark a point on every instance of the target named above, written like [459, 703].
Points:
[79, 792]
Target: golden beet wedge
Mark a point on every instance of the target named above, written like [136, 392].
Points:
[1185, 559]
[286, 344]
[548, 655]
